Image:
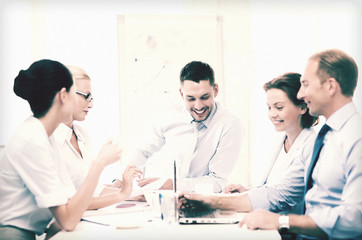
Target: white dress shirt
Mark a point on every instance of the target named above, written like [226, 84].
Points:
[204, 154]
[77, 165]
[32, 178]
[283, 186]
[335, 200]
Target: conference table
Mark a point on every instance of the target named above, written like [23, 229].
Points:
[136, 220]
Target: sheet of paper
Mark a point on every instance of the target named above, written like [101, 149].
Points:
[123, 207]
[120, 220]
[152, 186]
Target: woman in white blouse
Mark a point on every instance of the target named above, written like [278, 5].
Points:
[77, 152]
[34, 185]
[290, 115]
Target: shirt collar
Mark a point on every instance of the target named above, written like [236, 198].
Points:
[340, 117]
[78, 132]
[62, 134]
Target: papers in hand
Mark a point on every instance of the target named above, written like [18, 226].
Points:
[152, 186]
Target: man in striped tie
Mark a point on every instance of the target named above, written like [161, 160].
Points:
[333, 196]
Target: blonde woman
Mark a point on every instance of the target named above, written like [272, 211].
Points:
[77, 150]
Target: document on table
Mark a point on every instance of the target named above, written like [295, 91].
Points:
[123, 207]
[121, 220]
[128, 214]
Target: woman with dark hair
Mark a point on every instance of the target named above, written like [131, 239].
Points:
[290, 115]
[34, 185]
[281, 188]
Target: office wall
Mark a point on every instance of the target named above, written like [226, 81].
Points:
[261, 39]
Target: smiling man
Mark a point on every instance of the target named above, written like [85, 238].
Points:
[202, 136]
[198, 93]
[333, 179]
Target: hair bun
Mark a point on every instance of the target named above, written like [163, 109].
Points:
[24, 84]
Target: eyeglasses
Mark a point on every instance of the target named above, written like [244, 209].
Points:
[87, 96]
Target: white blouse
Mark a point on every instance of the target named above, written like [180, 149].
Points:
[280, 166]
[279, 161]
[32, 178]
[77, 165]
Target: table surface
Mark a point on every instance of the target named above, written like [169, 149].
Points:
[140, 222]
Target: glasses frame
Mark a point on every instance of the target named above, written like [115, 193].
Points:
[87, 96]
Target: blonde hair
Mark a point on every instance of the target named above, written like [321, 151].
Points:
[78, 73]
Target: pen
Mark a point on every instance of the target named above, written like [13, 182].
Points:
[175, 190]
[160, 199]
[103, 224]
[174, 176]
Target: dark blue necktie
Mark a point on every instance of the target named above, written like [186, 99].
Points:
[318, 145]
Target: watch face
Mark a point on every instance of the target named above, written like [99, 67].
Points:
[283, 231]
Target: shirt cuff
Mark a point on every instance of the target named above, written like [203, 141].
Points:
[56, 198]
[325, 219]
[184, 184]
[193, 184]
[259, 198]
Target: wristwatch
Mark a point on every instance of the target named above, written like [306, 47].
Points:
[284, 223]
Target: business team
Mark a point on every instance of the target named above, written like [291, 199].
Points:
[322, 177]
[332, 205]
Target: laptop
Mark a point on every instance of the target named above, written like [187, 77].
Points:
[218, 216]
[199, 213]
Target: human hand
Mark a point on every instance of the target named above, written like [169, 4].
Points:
[141, 183]
[109, 153]
[260, 219]
[168, 185]
[130, 173]
[146, 181]
[183, 202]
[235, 188]
[117, 183]
[194, 204]
[187, 199]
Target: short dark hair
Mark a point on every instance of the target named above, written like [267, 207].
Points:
[196, 71]
[340, 66]
[40, 83]
[290, 84]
